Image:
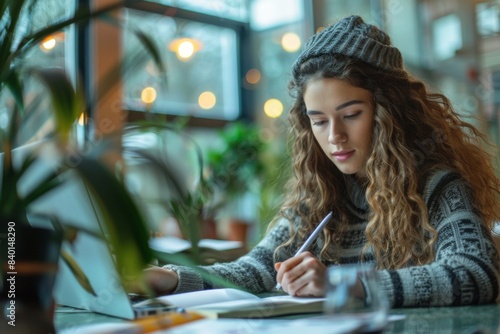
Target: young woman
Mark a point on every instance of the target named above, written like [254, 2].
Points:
[411, 188]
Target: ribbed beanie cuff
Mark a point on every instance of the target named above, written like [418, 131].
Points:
[354, 38]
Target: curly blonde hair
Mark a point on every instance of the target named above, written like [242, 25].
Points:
[415, 133]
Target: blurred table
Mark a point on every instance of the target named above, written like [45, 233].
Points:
[483, 319]
[463, 319]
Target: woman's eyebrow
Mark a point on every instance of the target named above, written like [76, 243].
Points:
[313, 112]
[348, 103]
[339, 107]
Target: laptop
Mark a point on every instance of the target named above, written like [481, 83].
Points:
[71, 203]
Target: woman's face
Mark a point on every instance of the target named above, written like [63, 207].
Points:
[341, 118]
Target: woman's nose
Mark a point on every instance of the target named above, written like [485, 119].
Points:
[337, 134]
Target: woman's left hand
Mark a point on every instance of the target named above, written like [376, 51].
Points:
[302, 275]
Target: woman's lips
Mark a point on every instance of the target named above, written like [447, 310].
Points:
[343, 155]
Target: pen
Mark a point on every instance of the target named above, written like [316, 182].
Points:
[311, 239]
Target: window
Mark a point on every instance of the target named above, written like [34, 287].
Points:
[447, 36]
[227, 9]
[267, 14]
[56, 50]
[488, 18]
[202, 68]
[202, 54]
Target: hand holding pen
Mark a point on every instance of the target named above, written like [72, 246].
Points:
[311, 239]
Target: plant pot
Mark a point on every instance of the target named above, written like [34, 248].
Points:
[29, 265]
[209, 229]
[238, 230]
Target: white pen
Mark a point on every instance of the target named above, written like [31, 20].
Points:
[311, 239]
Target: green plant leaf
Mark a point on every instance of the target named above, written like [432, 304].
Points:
[15, 87]
[179, 190]
[67, 103]
[70, 231]
[175, 128]
[77, 272]
[151, 49]
[48, 183]
[130, 244]
[9, 198]
[11, 12]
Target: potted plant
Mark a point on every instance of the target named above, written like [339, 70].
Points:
[180, 189]
[21, 244]
[235, 173]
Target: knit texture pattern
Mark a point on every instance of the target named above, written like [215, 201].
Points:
[352, 37]
[465, 270]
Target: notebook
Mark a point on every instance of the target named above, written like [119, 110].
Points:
[234, 303]
[71, 202]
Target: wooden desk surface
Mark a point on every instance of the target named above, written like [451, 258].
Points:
[484, 319]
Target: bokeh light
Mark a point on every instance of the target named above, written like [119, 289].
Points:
[273, 108]
[290, 42]
[184, 48]
[207, 100]
[48, 44]
[81, 119]
[148, 95]
[253, 76]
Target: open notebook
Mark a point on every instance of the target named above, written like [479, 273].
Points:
[233, 303]
[71, 202]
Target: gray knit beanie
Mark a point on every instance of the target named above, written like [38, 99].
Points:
[352, 37]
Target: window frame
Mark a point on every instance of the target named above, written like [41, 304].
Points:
[243, 60]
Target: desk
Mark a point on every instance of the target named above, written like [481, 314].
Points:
[465, 319]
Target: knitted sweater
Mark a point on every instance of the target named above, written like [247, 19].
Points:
[465, 269]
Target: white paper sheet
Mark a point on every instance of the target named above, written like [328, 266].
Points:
[264, 326]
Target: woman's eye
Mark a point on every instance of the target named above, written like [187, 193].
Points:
[353, 116]
[318, 123]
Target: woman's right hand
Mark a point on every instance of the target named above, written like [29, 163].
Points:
[158, 280]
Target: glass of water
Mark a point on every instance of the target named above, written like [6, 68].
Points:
[343, 299]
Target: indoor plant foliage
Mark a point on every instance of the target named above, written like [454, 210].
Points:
[237, 165]
[66, 101]
[181, 194]
[125, 223]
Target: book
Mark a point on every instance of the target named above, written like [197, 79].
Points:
[234, 303]
[211, 250]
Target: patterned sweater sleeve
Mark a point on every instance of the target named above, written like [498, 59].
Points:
[466, 266]
[253, 272]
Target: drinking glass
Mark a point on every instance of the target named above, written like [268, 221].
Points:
[343, 300]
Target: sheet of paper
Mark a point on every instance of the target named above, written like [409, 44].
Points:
[265, 326]
[249, 302]
[108, 328]
[196, 298]
[296, 300]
